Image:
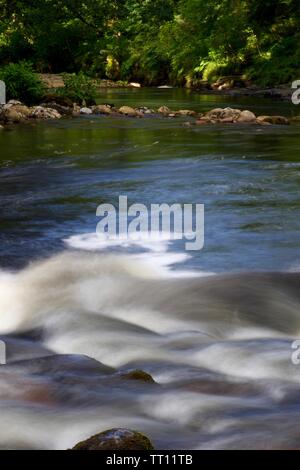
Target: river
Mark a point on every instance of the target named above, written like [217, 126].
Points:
[213, 327]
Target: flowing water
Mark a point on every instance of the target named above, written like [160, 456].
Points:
[214, 328]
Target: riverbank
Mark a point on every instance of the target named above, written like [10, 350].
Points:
[223, 87]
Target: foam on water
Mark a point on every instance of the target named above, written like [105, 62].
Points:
[218, 345]
[153, 249]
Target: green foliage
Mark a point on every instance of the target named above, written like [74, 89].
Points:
[22, 82]
[155, 41]
[79, 88]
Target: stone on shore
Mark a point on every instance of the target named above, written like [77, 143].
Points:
[116, 439]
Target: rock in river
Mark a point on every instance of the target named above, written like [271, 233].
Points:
[39, 112]
[102, 109]
[86, 111]
[128, 111]
[116, 439]
[247, 117]
[279, 120]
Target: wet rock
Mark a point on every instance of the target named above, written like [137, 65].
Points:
[40, 112]
[63, 110]
[102, 109]
[86, 111]
[227, 120]
[10, 115]
[76, 110]
[128, 111]
[145, 110]
[214, 113]
[116, 439]
[276, 120]
[14, 112]
[137, 374]
[22, 109]
[247, 117]
[135, 85]
[164, 110]
[223, 114]
[186, 112]
[204, 120]
[12, 103]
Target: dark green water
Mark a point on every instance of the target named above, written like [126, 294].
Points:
[54, 175]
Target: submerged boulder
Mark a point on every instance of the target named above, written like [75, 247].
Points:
[116, 439]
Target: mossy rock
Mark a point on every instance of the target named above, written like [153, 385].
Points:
[116, 439]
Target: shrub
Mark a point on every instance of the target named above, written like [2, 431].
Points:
[22, 82]
[79, 88]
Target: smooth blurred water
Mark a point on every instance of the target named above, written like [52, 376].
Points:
[218, 346]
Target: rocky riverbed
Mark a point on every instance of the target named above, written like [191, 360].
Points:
[57, 107]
